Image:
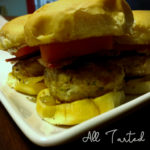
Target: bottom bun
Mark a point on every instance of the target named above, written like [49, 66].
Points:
[29, 86]
[75, 112]
[138, 86]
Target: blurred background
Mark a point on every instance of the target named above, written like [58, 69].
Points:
[21, 7]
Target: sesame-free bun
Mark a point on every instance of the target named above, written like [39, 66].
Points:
[140, 33]
[67, 20]
[12, 33]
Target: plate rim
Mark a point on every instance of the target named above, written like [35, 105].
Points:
[63, 136]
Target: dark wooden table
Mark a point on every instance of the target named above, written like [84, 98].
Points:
[11, 137]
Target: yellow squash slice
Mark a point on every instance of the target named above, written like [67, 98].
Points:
[30, 86]
[75, 112]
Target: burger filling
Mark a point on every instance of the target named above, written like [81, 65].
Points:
[136, 66]
[83, 80]
[27, 68]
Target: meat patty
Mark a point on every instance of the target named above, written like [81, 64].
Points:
[83, 81]
[136, 66]
[27, 68]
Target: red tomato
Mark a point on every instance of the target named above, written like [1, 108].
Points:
[59, 51]
[26, 50]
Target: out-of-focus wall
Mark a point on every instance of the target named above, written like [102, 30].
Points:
[13, 7]
[139, 4]
[39, 3]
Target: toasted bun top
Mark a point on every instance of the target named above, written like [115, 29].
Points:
[67, 20]
[12, 33]
[141, 29]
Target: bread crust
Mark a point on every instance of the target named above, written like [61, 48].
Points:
[67, 20]
[12, 33]
[140, 33]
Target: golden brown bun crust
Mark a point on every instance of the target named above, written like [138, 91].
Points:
[141, 29]
[67, 20]
[12, 33]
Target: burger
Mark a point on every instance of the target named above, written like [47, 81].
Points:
[135, 51]
[74, 39]
[27, 72]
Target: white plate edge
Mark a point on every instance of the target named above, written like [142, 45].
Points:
[65, 135]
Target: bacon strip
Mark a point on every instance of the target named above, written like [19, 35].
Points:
[37, 53]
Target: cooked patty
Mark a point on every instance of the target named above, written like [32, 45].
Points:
[83, 81]
[136, 66]
[27, 68]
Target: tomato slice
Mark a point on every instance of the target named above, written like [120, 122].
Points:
[26, 50]
[56, 52]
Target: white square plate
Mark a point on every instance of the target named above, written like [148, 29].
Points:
[40, 132]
